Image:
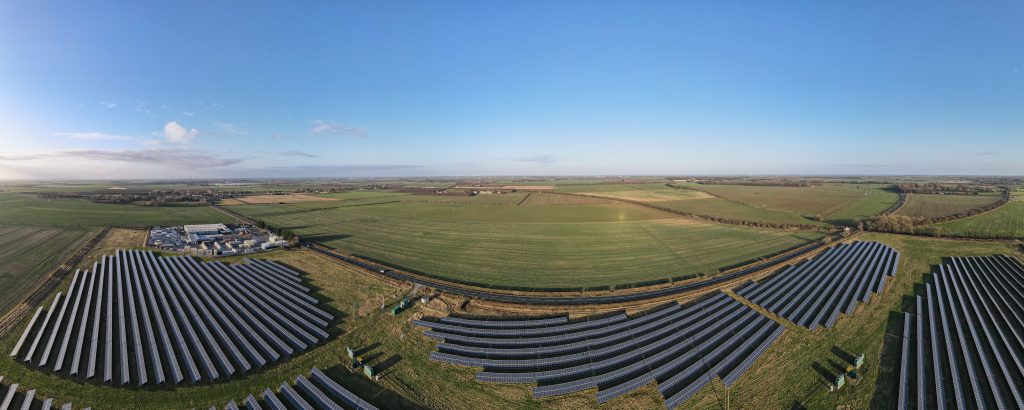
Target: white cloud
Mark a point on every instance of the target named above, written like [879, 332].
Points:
[330, 127]
[178, 134]
[187, 114]
[94, 136]
[174, 157]
[296, 153]
[108, 104]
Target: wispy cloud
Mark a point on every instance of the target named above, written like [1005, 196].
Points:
[337, 128]
[230, 128]
[94, 136]
[176, 157]
[108, 104]
[987, 153]
[187, 114]
[538, 159]
[178, 134]
[296, 153]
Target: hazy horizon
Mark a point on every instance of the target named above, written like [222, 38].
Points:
[109, 90]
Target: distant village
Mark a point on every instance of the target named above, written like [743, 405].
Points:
[213, 239]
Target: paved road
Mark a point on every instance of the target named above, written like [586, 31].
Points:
[562, 300]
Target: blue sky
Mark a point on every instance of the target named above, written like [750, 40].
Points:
[229, 89]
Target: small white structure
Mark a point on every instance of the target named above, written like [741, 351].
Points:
[205, 229]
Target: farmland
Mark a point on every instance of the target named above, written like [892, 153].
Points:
[824, 200]
[691, 201]
[938, 206]
[1004, 222]
[19, 209]
[876, 201]
[552, 246]
[27, 252]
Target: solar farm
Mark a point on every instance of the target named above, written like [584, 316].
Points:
[323, 393]
[816, 291]
[962, 344]
[27, 400]
[137, 318]
[681, 348]
[759, 316]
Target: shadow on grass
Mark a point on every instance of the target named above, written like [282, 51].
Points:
[369, 390]
[888, 368]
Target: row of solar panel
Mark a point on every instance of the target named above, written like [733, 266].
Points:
[27, 400]
[816, 291]
[318, 392]
[176, 316]
[964, 345]
[680, 348]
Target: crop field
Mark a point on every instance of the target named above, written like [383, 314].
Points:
[535, 246]
[823, 200]
[938, 206]
[24, 209]
[27, 252]
[358, 194]
[274, 199]
[1005, 222]
[695, 202]
[792, 374]
[876, 201]
[541, 199]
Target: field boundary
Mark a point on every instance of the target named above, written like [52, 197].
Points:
[45, 284]
[635, 295]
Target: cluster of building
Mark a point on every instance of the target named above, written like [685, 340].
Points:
[213, 239]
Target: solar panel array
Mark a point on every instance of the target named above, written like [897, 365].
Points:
[11, 398]
[814, 292]
[170, 320]
[964, 344]
[681, 348]
[316, 392]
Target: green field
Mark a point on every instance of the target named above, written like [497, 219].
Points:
[938, 206]
[876, 201]
[27, 252]
[823, 200]
[692, 201]
[27, 209]
[1004, 222]
[554, 246]
[358, 194]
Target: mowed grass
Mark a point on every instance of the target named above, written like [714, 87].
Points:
[786, 376]
[875, 201]
[938, 206]
[359, 194]
[554, 246]
[26, 253]
[1005, 222]
[26, 209]
[823, 200]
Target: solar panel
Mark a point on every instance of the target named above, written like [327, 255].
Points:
[293, 398]
[28, 330]
[339, 392]
[76, 357]
[140, 355]
[318, 397]
[59, 322]
[903, 396]
[272, 401]
[151, 306]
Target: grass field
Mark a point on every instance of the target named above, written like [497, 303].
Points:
[786, 376]
[692, 201]
[1005, 222]
[274, 199]
[26, 253]
[824, 200]
[25, 209]
[938, 206]
[876, 201]
[551, 246]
